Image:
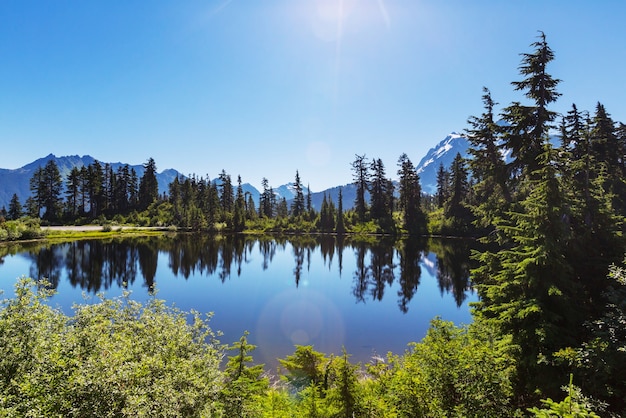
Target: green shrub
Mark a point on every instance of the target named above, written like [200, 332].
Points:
[113, 358]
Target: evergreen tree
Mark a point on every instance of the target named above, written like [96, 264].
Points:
[327, 215]
[608, 152]
[133, 189]
[381, 193]
[345, 393]
[251, 213]
[273, 202]
[575, 157]
[109, 184]
[175, 195]
[73, 192]
[210, 201]
[266, 207]
[121, 192]
[527, 289]
[487, 165]
[459, 189]
[309, 204]
[527, 127]
[239, 218]
[15, 208]
[94, 184]
[37, 193]
[227, 196]
[596, 229]
[84, 189]
[297, 206]
[409, 201]
[360, 176]
[282, 210]
[443, 186]
[305, 367]
[46, 185]
[340, 228]
[148, 185]
[244, 382]
[32, 207]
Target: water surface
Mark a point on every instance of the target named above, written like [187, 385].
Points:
[369, 297]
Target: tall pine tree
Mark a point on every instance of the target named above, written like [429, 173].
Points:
[527, 129]
[409, 201]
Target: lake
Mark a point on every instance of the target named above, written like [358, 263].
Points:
[371, 296]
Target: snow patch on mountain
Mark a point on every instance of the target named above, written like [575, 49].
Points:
[442, 154]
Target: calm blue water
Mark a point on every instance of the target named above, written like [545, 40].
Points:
[370, 299]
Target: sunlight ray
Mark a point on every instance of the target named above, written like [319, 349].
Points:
[340, 17]
[384, 13]
[219, 8]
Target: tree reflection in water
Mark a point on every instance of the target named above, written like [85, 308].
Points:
[97, 265]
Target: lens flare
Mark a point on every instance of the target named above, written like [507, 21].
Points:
[301, 318]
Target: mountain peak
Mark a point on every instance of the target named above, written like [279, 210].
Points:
[442, 154]
[18, 181]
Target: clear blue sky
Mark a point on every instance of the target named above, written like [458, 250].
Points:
[265, 88]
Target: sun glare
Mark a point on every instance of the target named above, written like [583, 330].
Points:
[330, 17]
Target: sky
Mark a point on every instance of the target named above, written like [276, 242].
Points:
[263, 89]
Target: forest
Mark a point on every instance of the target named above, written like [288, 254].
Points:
[552, 308]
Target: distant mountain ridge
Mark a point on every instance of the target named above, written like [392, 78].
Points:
[17, 181]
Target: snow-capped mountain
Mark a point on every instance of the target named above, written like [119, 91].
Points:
[288, 191]
[442, 153]
[17, 181]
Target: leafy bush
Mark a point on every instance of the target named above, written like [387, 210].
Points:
[114, 358]
[22, 229]
[453, 371]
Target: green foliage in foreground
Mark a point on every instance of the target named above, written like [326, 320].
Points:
[121, 358]
[114, 358]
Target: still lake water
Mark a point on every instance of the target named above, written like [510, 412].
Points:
[369, 297]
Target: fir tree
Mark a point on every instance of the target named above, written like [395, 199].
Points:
[340, 228]
[72, 192]
[488, 169]
[227, 196]
[239, 216]
[266, 208]
[360, 177]
[608, 151]
[15, 208]
[527, 289]
[527, 127]
[148, 186]
[37, 193]
[456, 207]
[381, 193]
[309, 204]
[443, 186]
[409, 201]
[244, 382]
[251, 213]
[297, 206]
[46, 185]
[282, 210]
